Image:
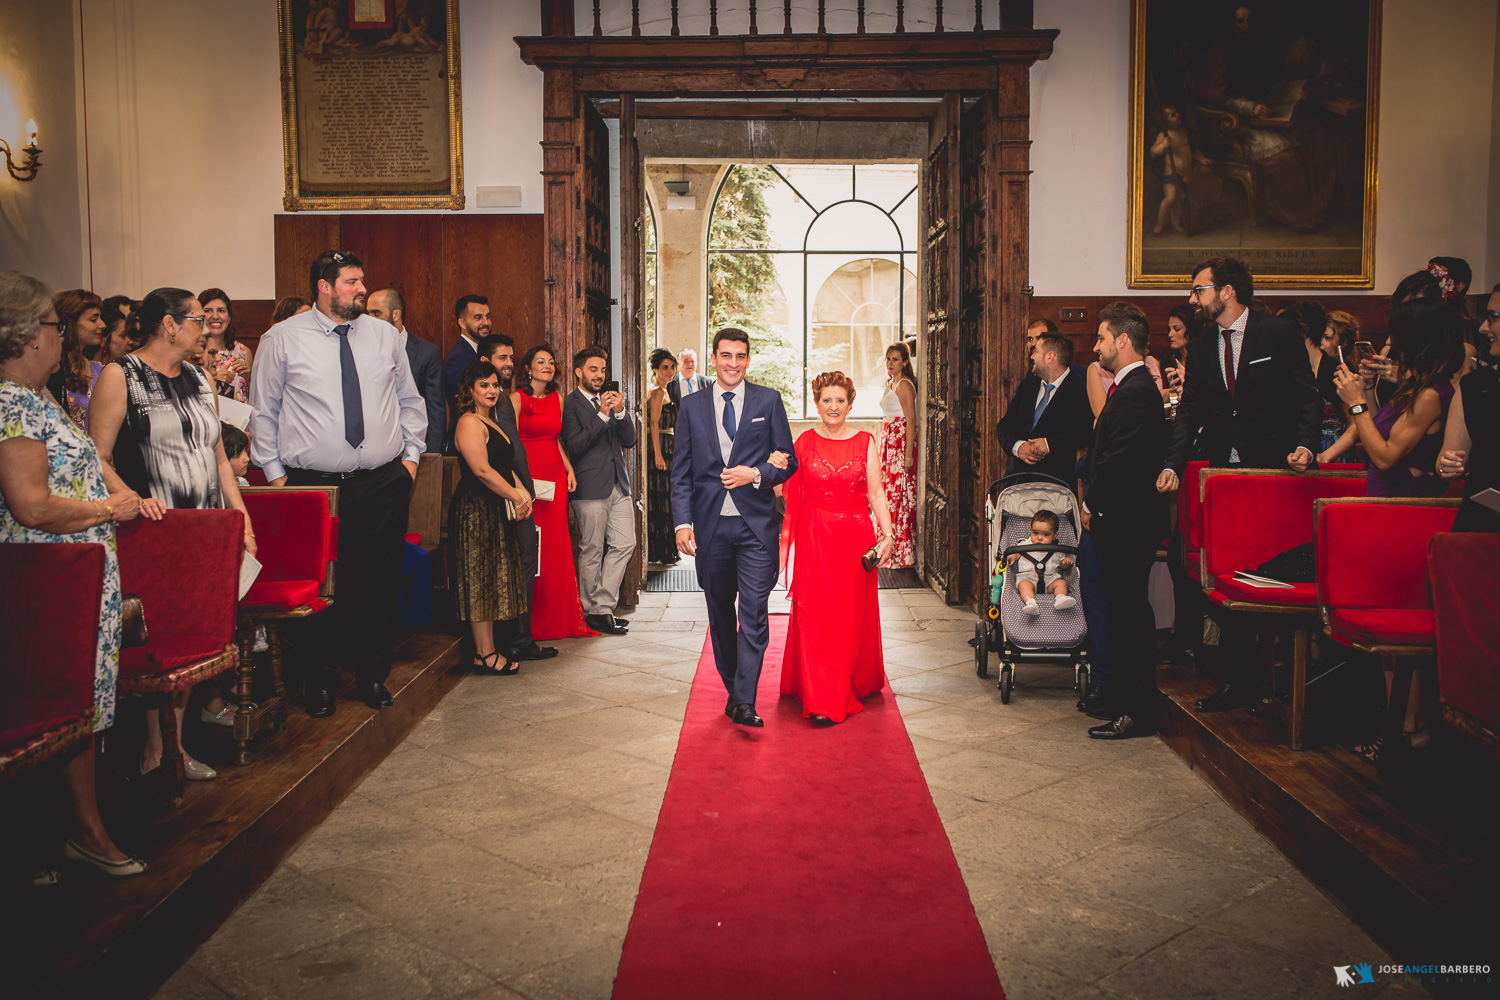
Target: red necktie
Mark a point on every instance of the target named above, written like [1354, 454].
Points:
[1228, 362]
[1112, 387]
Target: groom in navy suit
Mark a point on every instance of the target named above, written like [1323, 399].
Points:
[724, 506]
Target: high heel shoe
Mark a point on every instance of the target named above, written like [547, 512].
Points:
[482, 666]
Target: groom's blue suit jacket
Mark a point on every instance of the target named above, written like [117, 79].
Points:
[698, 494]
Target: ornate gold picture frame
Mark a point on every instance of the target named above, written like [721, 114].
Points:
[371, 117]
[1253, 132]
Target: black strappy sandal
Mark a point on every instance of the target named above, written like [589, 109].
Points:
[482, 666]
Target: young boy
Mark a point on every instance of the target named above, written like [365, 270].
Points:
[1048, 573]
[237, 450]
[1174, 148]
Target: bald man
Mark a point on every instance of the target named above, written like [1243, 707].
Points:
[426, 363]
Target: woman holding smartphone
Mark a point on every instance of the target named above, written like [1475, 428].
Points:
[1471, 442]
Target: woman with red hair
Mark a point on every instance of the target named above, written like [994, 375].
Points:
[833, 652]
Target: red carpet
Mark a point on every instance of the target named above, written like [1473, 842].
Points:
[793, 861]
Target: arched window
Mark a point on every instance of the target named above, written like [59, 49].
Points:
[833, 248]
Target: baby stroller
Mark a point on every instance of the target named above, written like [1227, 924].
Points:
[1053, 636]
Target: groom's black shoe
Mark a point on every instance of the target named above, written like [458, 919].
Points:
[744, 715]
[605, 624]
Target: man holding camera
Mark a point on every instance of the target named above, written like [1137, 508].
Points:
[596, 430]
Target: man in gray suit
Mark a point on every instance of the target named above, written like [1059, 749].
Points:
[596, 430]
[426, 363]
[500, 351]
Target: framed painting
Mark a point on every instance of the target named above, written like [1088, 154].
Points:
[370, 104]
[1253, 134]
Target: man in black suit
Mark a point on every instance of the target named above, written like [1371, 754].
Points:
[472, 314]
[500, 351]
[688, 381]
[1049, 418]
[426, 362]
[1127, 518]
[1249, 399]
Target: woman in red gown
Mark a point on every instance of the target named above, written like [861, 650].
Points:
[555, 610]
[833, 649]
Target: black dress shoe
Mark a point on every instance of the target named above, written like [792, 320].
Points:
[320, 703]
[1122, 728]
[531, 651]
[605, 624]
[1229, 696]
[619, 622]
[375, 695]
[1100, 706]
[744, 715]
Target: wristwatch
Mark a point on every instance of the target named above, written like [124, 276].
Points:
[1357, 409]
[756, 480]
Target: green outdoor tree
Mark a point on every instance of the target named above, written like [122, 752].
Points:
[741, 286]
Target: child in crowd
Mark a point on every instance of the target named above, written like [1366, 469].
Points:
[1173, 147]
[237, 450]
[1047, 572]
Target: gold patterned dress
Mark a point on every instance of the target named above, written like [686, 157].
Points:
[487, 581]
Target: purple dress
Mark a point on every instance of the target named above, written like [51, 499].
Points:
[1400, 480]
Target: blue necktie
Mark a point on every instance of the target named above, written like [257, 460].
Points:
[729, 414]
[354, 407]
[1040, 407]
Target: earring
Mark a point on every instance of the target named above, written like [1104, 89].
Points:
[36, 349]
[172, 337]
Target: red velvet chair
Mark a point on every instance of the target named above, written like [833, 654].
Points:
[186, 570]
[49, 631]
[296, 531]
[1249, 516]
[1372, 584]
[1190, 516]
[1462, 575]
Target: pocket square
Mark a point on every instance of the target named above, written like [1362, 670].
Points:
[1258, 360]
[756, 420]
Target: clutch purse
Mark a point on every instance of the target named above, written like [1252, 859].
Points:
[545, 489]
[132, 622]
[868, 560]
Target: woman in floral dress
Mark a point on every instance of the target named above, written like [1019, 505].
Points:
[898, 452]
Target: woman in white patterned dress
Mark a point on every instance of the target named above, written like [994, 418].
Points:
[154, 420]
[53, 488]
[898, 452]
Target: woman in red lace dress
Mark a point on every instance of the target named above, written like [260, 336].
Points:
[833, 651]
[555, 610]
[898, 453]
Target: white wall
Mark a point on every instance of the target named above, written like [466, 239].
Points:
[41, 222]
[1436, 169]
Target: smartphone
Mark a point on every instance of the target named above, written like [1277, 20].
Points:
[611, 386]
[1363, 351]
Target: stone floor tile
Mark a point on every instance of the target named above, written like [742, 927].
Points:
[550, 843]
[597, 647]
[289, 912]
[576, 667]
[1201, 964]
[506, 744]
[485, 803]
[925, 656]
[430, 877]
[688, 599]
[626, 689]
[690, 644]
[661, 749]
[1063, 743]
[413, 771]
[1023, 980]
[1100, 796]
[377, 964]
[686, 614]
[929, 749]
[539, 698]
[530, 926]
[895, 671]
[963, 627]
[640, 804]
[646, 613]
[672, 706]
[952, 805]
[989, 777]
[1071, 930]
[614, 881]
[1293, 916]
[1189, 887]
[953, 724]
[594, 775]
[670, 664]
[589, 975]
[910, 706]
[934, 685]
[357, 830]
[651, 631]
[187, 983]
[1216, 830]
[997, 844]
[652, 599]
[641, 656]
[607, 727]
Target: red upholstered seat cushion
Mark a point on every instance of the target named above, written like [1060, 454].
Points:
[1190, 506]
[294, 534]
[164, 656]
[279, 595]
[1193, 566]
[1374, 555]
[1375, 626]
[23, 718]
[1302, 595]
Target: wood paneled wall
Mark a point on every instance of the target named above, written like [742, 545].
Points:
[430, 259]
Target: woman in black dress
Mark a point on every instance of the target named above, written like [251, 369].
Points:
[661, 412]
[1471, 439]
[487, 582]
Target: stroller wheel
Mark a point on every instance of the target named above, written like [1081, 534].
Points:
[1007, 677]
[1081, 684]
[981, 649]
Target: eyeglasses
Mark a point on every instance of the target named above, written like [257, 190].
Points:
[60, 324]
[1489, 316]
[1196, 289]
[200, 320]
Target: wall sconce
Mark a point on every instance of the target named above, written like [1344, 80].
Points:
[32, 159]
[678, 198]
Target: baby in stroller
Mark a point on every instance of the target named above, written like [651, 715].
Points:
[1046, 571]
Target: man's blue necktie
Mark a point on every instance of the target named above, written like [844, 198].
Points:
[1046, 398]
[729, 414]
[354, 407]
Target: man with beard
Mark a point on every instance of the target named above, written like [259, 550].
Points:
[1249, 399]
[472, 314]
[426, 362]
[335, 405]
[500, 351]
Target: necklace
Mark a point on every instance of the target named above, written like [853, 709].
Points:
[23, 384]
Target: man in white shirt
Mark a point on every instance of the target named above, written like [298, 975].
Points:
[426, 362]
